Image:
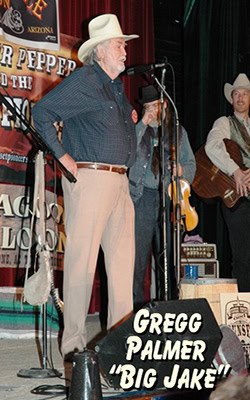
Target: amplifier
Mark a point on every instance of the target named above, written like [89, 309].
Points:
[206, 268]
[200, 251]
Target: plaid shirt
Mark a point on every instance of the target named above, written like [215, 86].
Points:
[96, 115]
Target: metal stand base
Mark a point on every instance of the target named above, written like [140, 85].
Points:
[38, 373]
[43, 372]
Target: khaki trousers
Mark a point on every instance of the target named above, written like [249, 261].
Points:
[98, 211]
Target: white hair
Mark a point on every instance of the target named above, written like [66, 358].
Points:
[92, 57]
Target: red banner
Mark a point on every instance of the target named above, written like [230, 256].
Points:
[26, 74]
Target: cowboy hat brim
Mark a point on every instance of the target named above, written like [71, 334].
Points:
[87, 46]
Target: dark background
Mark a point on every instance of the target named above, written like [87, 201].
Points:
[208, 44]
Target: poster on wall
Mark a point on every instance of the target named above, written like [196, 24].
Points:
[30, 23]
[26, 74]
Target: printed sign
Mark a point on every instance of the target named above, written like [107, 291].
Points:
[235, 312]
[30, 23]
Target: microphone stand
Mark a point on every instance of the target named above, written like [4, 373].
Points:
[163, 193]
[177, 217]
[42, 145]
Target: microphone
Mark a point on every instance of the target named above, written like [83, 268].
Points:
[141, 69]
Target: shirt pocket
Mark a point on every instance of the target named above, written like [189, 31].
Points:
[111, 114]
[106, 113]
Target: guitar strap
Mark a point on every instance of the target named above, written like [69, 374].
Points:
[240, 135]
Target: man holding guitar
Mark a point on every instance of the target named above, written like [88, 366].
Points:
[235, 129]
[144, 182]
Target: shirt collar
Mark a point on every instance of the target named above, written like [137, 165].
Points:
[105, 78]
[242, 120]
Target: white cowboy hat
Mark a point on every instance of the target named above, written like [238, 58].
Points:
[102, 28]
[241, 82]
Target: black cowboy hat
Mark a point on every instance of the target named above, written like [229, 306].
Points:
[148, 94]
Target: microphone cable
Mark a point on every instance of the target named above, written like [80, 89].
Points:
[52, 391]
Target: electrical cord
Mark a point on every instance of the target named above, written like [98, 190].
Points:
[56, 390]
[51, 390]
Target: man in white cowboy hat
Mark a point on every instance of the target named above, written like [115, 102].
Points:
[236, 128]
[98, 146]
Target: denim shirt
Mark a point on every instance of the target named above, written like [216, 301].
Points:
[137, 173]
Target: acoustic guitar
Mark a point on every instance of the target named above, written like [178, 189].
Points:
[211, 182]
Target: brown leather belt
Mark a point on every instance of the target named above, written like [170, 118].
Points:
[104, 167]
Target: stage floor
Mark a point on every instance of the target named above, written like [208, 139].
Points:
[22, 356]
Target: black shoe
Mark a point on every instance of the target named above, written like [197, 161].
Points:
[69, 357]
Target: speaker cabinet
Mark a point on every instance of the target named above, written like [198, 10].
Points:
[114, 348]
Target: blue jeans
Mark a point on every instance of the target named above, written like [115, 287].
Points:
[147, 239]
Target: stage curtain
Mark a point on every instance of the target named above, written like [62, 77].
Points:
[134, 16]
[215, 52]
